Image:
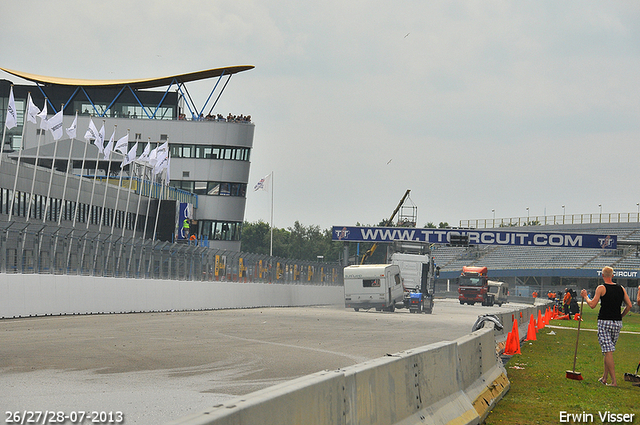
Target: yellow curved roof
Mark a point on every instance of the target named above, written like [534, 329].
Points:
[143, 83]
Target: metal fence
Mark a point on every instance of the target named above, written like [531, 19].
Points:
[60, 251]
[489, 223]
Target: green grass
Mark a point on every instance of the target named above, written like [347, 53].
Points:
[539, 387]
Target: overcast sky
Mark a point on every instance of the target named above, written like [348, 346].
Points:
[474, 106]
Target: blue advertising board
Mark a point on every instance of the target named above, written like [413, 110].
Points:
[184, 213]
[476, 237]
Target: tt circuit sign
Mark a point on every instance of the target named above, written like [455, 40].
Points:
[473, 237]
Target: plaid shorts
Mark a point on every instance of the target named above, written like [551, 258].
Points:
[608, 333]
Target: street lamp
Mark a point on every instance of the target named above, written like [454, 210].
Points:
[563, 211]
[600, 205]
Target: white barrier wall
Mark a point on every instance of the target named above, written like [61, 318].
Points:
[39, 295]
[448, 382]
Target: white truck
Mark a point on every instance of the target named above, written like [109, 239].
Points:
[376, 286]
[418, 274]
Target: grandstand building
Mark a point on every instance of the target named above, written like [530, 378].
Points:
[544, 269]
[209, 166]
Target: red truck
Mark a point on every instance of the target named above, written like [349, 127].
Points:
[474, 286]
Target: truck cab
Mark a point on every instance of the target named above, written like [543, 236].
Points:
[474, 286]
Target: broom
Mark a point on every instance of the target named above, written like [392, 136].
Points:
[572, 374]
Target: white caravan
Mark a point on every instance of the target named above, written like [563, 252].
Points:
[376, 286]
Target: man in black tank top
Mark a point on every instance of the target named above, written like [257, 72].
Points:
[611, 296]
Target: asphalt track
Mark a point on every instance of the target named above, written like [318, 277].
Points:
[155, 367]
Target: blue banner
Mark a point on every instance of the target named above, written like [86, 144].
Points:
[184, 220]
[476, 237]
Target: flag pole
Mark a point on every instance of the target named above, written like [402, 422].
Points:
[115, 208]
[126, 205]
[135, 222]
[53, 166]
[15, 180]
[271, 244]
[66, 179]
[106, 178]
[4, 127]
[35, 165]
[155, 227]
[95, 171]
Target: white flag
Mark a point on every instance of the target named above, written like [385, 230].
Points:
[100, 140]
[263, 184]
[162, 162]
[71, 131]
[130, 156]
[109, 148]
[92, 131]
[32, 111]
[12, 117]
[43, 116]
[55, 125]
[145, 154]
[122, 145]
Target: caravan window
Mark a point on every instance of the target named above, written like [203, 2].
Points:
[370, 283]
[397, 278]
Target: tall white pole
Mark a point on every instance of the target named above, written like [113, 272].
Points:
[271, 226]
[64, 191]
[95, 175]
[35, 167]
[4, 130]
[53, 166]
[15, 180]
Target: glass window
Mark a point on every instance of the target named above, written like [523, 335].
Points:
[187, 151]
[200, 188]
[213, 188]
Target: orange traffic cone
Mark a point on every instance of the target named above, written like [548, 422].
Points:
[515, 339]
[513, 345]
[540, 322]
[531, 332]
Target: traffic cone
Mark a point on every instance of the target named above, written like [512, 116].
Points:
[531, 332]
[540, 322]
[515, 338]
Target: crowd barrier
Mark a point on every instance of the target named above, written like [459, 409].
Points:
[451, 382]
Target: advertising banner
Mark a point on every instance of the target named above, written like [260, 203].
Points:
[476, 237]
[185, 214]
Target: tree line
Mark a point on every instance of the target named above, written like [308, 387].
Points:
[305, 242]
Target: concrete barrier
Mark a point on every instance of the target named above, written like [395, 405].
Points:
[444, 383]
[456, 382]
[39, 295]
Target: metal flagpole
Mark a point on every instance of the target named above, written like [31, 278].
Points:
[126, 208]
[155, 227]
[66, 179]
[146, 218]
[53, 166]
[115, 208]
[4, 128]
[15, 180]
[271, 244]
[35, 167]
[95, 171]
[139, 183]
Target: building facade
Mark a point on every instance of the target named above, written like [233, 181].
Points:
[210, 155]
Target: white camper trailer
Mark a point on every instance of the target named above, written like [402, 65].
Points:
[376, 286]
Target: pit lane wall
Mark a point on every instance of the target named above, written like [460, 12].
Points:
[451, 382]
[39, 295]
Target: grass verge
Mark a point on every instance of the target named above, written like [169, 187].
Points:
[540, 390]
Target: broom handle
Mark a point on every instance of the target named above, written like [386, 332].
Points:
[575, 355]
